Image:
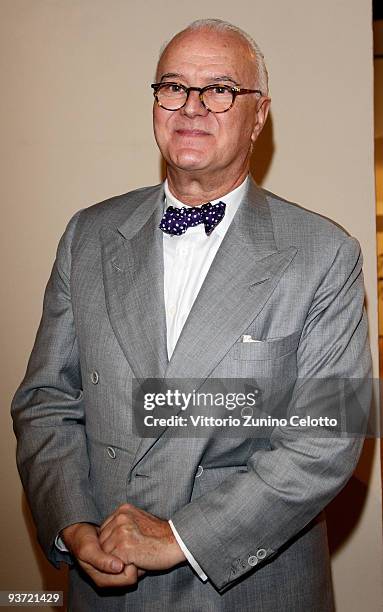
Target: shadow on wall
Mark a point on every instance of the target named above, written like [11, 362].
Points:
[263, 152]
[345, 511]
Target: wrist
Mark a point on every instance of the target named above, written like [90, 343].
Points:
[177, 553]
[70, 533]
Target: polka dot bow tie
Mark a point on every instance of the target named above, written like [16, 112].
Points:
[176, 221]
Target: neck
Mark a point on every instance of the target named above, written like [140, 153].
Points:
[194, 190]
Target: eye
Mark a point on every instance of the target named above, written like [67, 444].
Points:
[172, 87]
[220, 89]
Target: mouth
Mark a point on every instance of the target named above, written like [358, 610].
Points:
[188, 133]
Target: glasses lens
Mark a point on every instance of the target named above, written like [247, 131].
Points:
[171, 96]
[218, 98]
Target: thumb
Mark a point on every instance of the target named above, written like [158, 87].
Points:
[93, 554]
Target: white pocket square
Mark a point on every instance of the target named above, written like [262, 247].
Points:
[248, 338]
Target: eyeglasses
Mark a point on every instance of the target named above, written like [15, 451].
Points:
[215, 98]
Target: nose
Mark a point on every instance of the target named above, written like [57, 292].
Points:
[194, 106]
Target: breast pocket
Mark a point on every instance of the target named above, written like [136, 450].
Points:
[268, 349]
[272, 365]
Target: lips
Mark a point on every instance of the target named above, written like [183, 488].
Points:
[188, 133]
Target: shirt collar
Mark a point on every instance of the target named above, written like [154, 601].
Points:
[231, 199]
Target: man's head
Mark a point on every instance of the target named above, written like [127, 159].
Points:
[193, 139]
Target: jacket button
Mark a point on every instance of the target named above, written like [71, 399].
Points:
[94, 377]
[199, 471]
[246, 411]
[261, 553]
[111, 452]
[252, 560]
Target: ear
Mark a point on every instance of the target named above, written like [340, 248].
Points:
[262, 112]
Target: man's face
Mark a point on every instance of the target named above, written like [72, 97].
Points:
[192, 138]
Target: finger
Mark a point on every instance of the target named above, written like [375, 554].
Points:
[110, 544]
[107, 521]
[105, 533]
[124, 509]
[131, 573]
[141, 572]
[127, 577]
[92, 553]
[110, 531]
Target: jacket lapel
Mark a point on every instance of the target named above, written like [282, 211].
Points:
[133, 278]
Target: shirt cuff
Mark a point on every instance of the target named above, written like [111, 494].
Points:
[59, 543]
[197, 568]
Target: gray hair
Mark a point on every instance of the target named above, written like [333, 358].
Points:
[218, 25]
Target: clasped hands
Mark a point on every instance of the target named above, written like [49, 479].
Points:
[129, 542]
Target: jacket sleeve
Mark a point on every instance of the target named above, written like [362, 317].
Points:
[246, 519]
[48, 416]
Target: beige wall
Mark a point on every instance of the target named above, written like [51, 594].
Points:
[76, 128]
[378, 116]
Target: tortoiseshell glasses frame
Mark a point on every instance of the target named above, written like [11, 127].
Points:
[231, 92]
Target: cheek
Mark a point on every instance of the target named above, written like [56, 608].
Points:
[229, 132]
[162, 124]
[240, 132]
[160, 117]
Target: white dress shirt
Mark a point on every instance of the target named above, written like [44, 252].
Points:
[187, 259]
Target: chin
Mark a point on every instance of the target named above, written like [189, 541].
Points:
[190, 160]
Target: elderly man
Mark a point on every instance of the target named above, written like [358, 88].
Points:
[206, 276]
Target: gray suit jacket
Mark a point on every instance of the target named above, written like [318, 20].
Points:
[252, 518]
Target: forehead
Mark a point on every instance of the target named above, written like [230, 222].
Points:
[205, 53]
